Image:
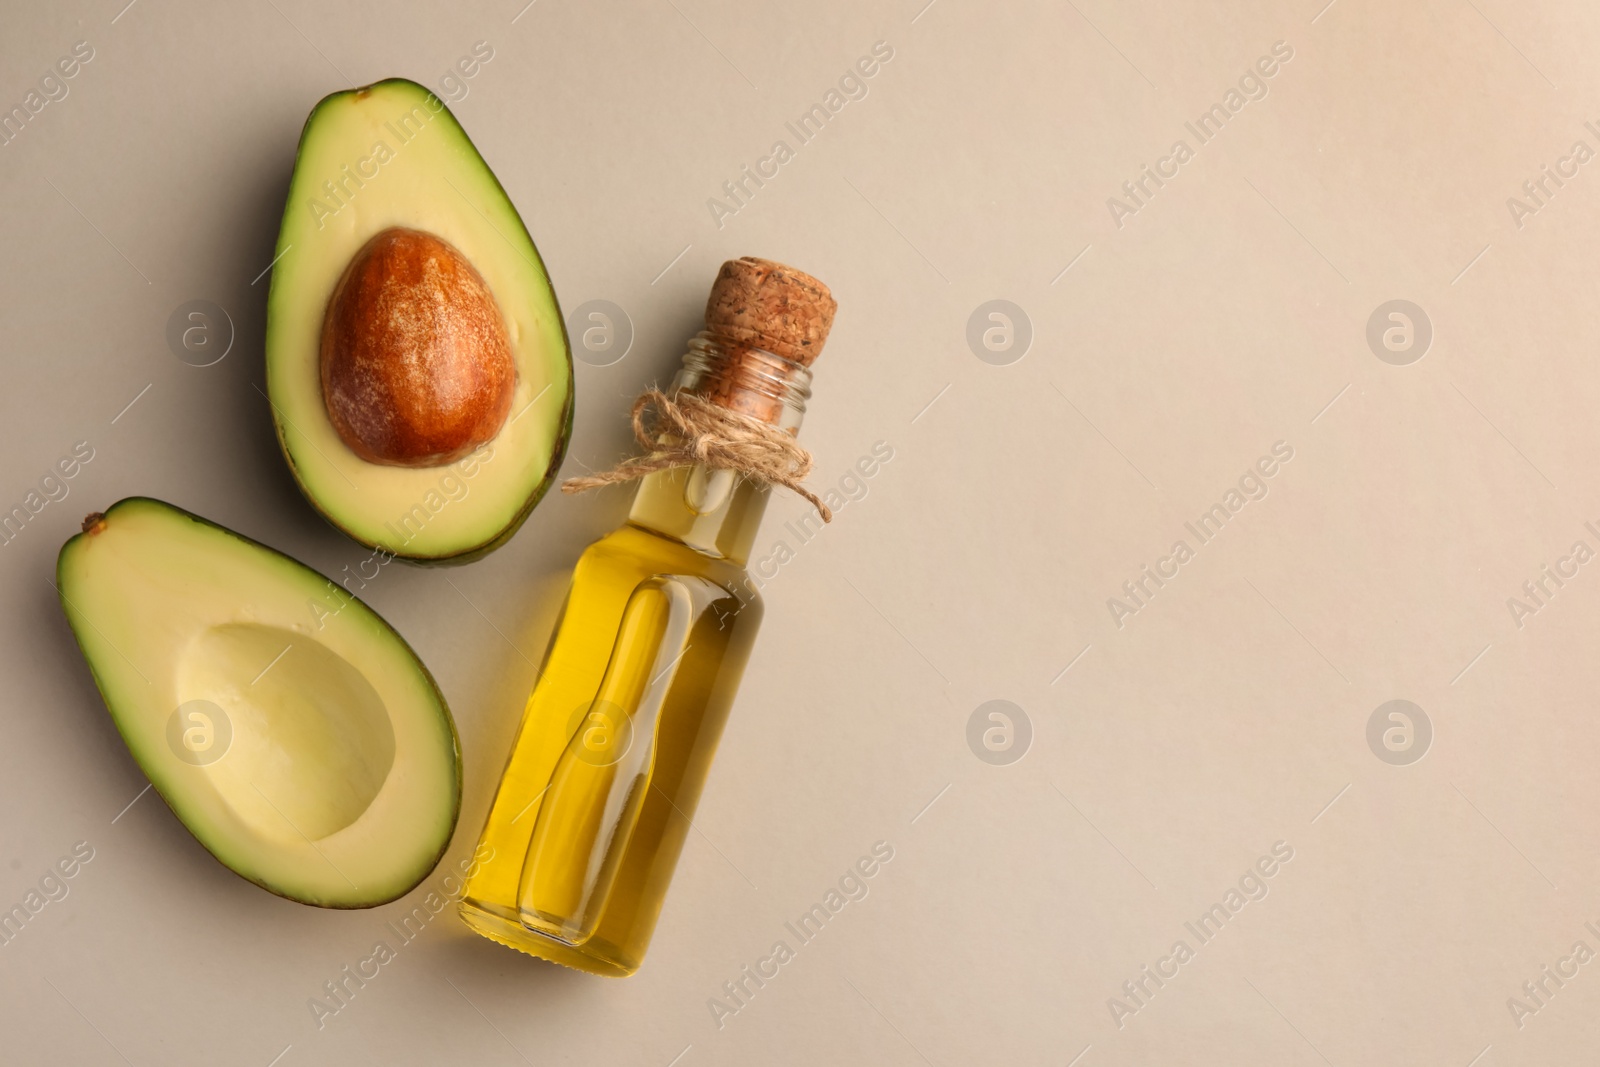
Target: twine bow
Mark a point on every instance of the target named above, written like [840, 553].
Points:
[686, 429]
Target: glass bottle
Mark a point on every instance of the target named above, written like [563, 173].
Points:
[618, 735]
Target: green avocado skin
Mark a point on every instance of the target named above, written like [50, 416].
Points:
[563, 438]
[176, 804]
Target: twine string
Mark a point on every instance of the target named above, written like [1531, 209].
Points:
[686, 429]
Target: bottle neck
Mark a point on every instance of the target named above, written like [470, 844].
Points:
[718, 512]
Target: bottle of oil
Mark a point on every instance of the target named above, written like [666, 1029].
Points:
[618, 735]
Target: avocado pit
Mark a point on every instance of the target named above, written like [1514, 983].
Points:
[416, 366]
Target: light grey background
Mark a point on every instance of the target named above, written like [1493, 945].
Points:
[1168, 354]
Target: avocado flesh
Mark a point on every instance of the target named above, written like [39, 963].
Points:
[392, 155]
[336, 776]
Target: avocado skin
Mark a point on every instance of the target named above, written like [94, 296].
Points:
[455, 737]
[558, 452]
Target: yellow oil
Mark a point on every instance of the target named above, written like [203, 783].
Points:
[618, 735]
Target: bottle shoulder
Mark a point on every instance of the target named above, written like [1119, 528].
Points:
[632, 552]
[614, 567]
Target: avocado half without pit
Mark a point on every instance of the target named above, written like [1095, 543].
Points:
[289, 727]
[417, 365]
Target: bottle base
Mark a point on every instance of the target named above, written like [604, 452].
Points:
[512, 934]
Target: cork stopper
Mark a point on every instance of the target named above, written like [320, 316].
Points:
[735, 406]
[768, 322]
[768, 305]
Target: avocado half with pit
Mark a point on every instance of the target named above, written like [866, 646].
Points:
[417, 364]
[288, 726]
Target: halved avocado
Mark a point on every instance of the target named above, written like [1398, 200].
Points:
[288, 726]
[385, 160]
